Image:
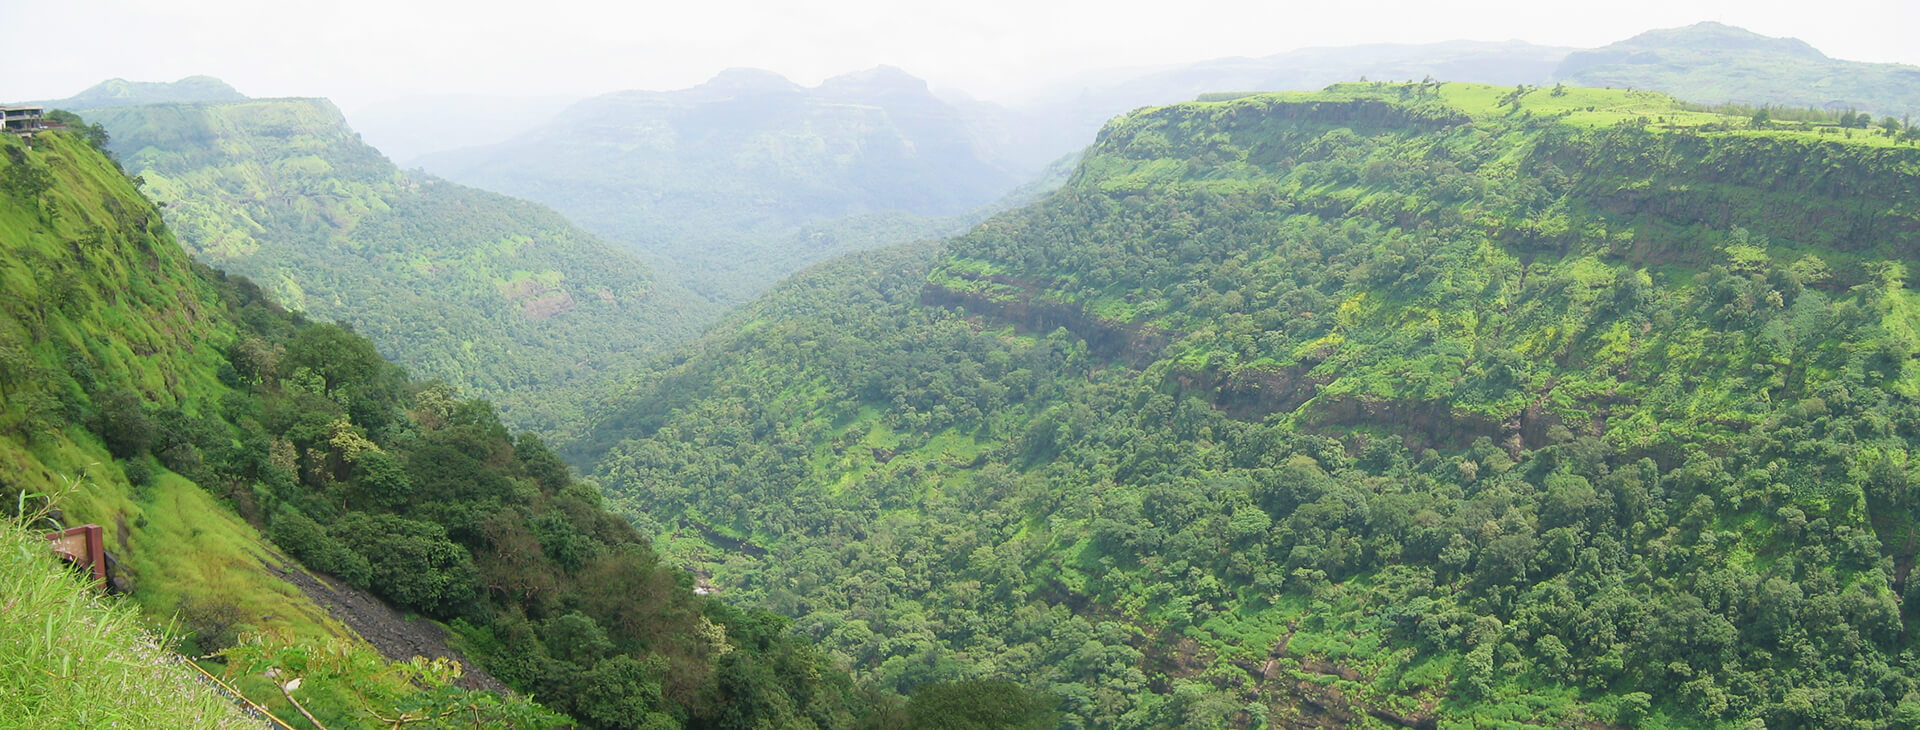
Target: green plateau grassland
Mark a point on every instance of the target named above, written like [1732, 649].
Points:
[1433, 404]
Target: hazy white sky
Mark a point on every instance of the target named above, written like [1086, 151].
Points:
[357, 51]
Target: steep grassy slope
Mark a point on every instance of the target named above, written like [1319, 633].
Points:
[187, 414]
[1711, 63]
[101, 303]
[107, 669]
[713, 181]
[1392, 405]
[104, 321]
[501, 297]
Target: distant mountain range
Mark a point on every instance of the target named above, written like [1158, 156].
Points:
[121, 92]
[729, 186]
[728, 171]
[714, 183]
[1711, 63]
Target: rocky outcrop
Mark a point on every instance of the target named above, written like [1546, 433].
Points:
[1136, 345]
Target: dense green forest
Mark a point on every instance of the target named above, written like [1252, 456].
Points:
[1391, 405]
[188, 413]
[501, 297]
[734, 184]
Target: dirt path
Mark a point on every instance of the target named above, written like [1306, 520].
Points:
[394, 635]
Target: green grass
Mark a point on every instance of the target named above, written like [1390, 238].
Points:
[179, 542]
[194, 548]
[70, 657]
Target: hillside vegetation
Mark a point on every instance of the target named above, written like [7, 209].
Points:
[187, 413]
[1390, 405]
[501, 297]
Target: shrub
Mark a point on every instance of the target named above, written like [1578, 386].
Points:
[309, 543]
[120, 419]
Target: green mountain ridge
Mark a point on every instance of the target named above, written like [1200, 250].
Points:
[1074, 111]
[107, 328]
[1428, 405]
[501, 297]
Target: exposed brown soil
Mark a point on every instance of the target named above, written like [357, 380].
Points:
[395, 636]
[546, 305]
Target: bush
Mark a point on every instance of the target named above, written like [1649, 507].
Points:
[120, 419]
[215, 623]
[982, 704]
[309, 543]
[412, 563]
[139, 473]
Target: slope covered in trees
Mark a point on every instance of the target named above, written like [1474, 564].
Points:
[1388, 405]
[187, 413]
[714, 181]
[501, 297]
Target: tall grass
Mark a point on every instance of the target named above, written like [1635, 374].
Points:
[71, 658]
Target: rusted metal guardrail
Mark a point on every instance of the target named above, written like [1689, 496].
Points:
[85, 546]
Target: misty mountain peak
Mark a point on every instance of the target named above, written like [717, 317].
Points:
[749, 80]
[876, 81]
[121, 92]
[1712, 37]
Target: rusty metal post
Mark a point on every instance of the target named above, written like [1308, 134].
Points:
[85, 546]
